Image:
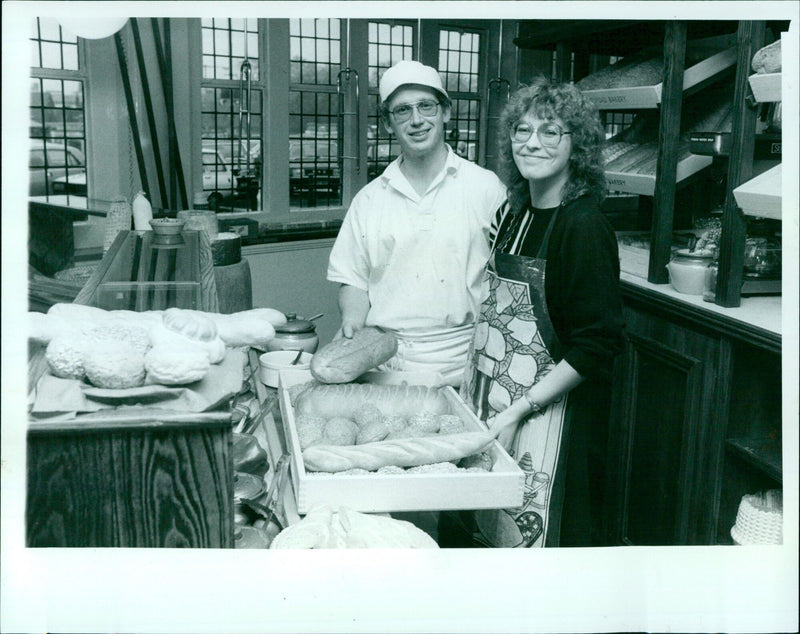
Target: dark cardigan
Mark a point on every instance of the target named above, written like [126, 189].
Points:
[581, 281]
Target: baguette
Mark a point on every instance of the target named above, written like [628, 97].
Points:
[342, 401]
[401, 452]
[344, 359]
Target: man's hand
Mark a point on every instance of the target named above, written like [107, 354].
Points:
[354, 306]
[348, 329]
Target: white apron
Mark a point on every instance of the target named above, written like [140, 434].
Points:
[436, 351]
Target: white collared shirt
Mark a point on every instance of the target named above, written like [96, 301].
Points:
[420, 258]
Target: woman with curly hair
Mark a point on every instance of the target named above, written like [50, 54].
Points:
[543, 349]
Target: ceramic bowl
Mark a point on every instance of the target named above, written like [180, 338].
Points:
[167, 226]
[272, 363]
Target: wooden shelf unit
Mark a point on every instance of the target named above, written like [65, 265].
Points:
[718, 442]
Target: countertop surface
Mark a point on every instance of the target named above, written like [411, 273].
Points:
[763, 312]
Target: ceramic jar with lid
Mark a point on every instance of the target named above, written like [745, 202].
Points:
[687, 271]
[296, 334]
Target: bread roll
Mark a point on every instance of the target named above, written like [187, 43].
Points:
[768, 59]
[329, 401]
[401, 452]
[344, 359]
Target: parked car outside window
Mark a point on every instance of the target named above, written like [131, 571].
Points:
[51, 162]
[226, 184]
[313, 168]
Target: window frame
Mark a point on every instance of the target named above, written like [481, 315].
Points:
[273, 37]
[81, 75]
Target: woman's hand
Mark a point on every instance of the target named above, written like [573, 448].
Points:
[503, 426]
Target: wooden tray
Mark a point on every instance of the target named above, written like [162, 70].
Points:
[500, 488]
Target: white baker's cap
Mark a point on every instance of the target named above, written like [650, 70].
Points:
[409, 72]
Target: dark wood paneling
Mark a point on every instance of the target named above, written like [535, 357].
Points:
[696, 424]
[665, 391]
[157, 488]
[659, 465]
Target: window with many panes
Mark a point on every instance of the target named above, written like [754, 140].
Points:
[459, 66]
[231, 113]
[312, 161]
[315, 162]
[57, 161]
[387, 44]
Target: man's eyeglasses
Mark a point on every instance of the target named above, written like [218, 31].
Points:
[549, 133]
[427, 108]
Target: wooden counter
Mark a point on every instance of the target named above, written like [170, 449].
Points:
[696, 420]
[757, 320]
[155, 480]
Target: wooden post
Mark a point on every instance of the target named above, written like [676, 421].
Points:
[563, 62]
[667, 161]
[148, 108]
[126, 85]
[750, 38]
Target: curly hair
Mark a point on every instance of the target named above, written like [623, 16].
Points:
[547, 99]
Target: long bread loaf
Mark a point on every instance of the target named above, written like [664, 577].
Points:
[344, 359]
[401, 452]
[333, 401]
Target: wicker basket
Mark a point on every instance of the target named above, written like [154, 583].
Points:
[759, 519]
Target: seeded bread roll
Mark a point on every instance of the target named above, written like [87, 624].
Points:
[401, 452]
[344, 359]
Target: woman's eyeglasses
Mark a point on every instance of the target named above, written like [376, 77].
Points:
[427, 108]
[549, 133]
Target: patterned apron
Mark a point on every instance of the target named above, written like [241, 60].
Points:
[510, 351]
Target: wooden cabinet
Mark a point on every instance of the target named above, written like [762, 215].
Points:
[666, 412]
[696, 424]
[155, 482]
[581, 48]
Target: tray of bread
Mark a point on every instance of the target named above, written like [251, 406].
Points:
[382, 444]
[637, 81]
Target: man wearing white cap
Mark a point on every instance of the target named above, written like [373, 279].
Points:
[411, 252]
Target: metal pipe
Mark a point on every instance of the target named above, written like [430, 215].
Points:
[346, 73]
[340, 93]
